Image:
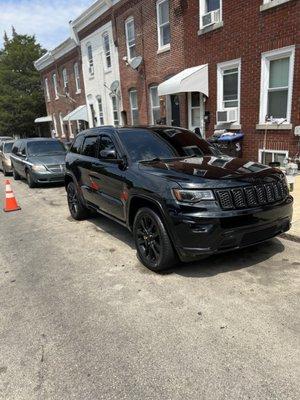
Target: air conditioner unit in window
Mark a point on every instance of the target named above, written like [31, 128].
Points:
[211, 18]
[227, 116]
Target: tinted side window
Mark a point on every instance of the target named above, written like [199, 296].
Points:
[106, 143]
[90, 146]
[76, 146]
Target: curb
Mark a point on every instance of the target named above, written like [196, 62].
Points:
[292, 238]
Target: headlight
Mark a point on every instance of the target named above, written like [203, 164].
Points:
[193, 196]
[39, 168]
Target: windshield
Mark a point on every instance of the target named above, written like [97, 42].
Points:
[45, 147]
[7, 147]
[164, 143]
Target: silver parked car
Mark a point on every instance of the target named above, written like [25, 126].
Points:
[5, 151]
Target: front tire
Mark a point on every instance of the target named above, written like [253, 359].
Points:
[30, 181]
[154, 247]
[77, 210]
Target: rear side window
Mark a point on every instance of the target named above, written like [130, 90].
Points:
[76, 146]
[16, 146]
[90, 146]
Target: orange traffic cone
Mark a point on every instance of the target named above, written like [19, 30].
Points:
[10, 200]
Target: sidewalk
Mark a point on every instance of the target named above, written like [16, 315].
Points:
[294, 233]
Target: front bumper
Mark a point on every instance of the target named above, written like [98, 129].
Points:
[48, 177]
[198, 234]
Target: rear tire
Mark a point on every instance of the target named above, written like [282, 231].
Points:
[30, 181]
[16, 175]
[154, 247]
[77, 210]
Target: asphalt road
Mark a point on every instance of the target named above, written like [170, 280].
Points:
[80, 318]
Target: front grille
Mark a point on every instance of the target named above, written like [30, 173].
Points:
[252, 196]
[57, 168]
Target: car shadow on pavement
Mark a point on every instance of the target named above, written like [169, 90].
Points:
[210, 266]
[231, 261]
[113, 229]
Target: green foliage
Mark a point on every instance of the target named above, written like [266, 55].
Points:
[21, 93]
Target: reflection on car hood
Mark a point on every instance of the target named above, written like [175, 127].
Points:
[50, 159]
[208, 167]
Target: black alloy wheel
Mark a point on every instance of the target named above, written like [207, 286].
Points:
[77, 210]
[153, 244]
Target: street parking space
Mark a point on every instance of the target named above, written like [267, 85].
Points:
[81, 318]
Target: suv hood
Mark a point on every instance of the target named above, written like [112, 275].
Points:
[48, 159]
[190, 171]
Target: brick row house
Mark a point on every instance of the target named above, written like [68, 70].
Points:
[62, 80]
[209, 65]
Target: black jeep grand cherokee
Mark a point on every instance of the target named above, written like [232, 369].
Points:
[178, 195]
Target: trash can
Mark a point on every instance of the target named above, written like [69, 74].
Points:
[229, 143]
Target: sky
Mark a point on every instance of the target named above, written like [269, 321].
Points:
[48, 20]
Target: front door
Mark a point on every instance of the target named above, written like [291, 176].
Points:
[196, 112]
[175, 110]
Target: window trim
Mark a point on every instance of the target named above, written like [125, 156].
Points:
[65, 77]
[100, 112]
[91, 69]
[151, 103]
[47, 91]
[261, 151]
[208, 28]
[133, 90]
[128, 47]
[107, 53]
[77, 77]
[267, 4]
[264, 85]
[162, 48]
[54, 81]
[221, 67]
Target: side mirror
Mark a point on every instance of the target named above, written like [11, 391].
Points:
[109, 154]
[20, 154]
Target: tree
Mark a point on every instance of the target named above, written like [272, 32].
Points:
[21, 93]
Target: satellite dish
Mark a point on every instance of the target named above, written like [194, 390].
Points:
[136, 62]
[114, 86]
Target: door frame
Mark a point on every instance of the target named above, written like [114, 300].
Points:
[202, 114]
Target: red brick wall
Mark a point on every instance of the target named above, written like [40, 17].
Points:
[65, 106]
[156, 67]
[246, 34]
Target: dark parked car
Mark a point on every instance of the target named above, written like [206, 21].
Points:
[38, 160]
[5, 151]
[177, 194]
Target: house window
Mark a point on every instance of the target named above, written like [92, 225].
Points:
[195, 109]
[65, 78]
[106, 48]
[115, 107]
[100, 109]
[93, 115]
[276, 85]
[269, 156]
[163, 24]
[210, 12]
[155, 105]
[229, 82]
[134, 107]
[54, 80]
[47, 93]
[130, 38]
[90, 59]
[77, 78]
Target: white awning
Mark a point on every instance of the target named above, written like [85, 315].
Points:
[43, 119]
[193, 79]
[79, 114]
